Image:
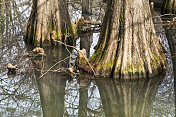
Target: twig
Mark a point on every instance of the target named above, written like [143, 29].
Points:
[52, 67]
[81, 53]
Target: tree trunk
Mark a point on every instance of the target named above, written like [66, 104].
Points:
[86, 8]
[169, 6]
[2, 20]
[49, 20]
[128, 46]
[86, 40]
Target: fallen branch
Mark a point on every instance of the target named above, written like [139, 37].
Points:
[52, 67]
[91, 22]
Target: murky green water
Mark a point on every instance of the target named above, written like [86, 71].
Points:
[60, 94]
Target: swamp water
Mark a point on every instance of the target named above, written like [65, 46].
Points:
[60, 94]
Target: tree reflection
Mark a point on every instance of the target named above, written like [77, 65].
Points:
[82, 98]
[128, 98]
[52, 85]
[52, 91]
[19, 96]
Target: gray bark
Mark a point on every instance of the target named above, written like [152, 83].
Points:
[128, 46]
[48, 16]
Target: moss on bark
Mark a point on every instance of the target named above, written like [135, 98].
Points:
[128, 47]
[169, 6]
[48, 16]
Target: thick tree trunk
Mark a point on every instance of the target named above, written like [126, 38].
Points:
[49, 20]
[169, 6]
[128, 46]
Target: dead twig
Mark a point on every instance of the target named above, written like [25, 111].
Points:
[81, 53]
[52, 67]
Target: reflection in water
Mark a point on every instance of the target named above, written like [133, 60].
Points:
[71, 98]
[52, 85]
[61, 96]
[52, 91]
[128, 98]
[66, 97]
[19, 95]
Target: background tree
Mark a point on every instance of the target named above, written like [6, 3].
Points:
[128, 46]
[168, 6]
[49, 20]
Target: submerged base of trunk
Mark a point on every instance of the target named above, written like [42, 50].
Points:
[128, 47]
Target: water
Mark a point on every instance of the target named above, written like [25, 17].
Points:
[60, 94]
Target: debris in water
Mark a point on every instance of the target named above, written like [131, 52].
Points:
[38, 50]
[11, 67]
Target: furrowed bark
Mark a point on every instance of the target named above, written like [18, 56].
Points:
[128, 46]
[48, 16]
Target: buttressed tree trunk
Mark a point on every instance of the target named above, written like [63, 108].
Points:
[49, 20]
[128, 46]
[169, 6]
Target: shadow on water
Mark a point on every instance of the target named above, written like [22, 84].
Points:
[60, 94]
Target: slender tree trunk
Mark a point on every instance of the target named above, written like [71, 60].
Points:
[128, 46]
[87, 7]
[168, 6]
[49, 20]
[2, 20]
[86, 40]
